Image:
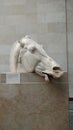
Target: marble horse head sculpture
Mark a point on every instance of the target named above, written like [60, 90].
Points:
[29, 56]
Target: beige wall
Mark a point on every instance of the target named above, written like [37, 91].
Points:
[44, 20]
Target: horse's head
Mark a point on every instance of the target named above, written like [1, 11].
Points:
[50, 66]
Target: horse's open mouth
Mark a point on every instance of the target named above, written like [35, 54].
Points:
[55, 73]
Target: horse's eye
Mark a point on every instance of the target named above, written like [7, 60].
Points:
[22, 45]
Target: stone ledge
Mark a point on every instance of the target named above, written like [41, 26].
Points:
[22, 78]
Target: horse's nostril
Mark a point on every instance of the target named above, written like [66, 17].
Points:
[56, 68]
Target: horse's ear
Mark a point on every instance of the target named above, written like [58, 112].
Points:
[28, 36]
